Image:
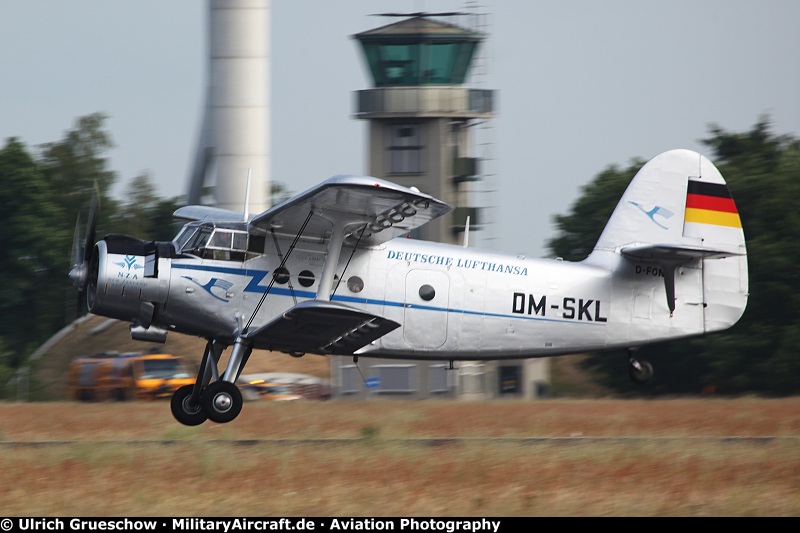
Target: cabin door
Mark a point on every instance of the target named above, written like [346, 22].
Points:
[426, 308]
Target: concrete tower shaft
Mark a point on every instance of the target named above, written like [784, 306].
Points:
[235, 134]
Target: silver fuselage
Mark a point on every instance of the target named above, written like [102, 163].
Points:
[452, 302]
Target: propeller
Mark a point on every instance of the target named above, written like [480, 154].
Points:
[82, 256]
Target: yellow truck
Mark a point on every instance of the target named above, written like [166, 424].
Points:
[128, 376]
[266, 390]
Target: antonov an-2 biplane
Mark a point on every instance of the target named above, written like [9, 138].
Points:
[331, 271]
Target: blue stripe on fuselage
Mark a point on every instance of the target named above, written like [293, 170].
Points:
[258, 275]
[255, 275]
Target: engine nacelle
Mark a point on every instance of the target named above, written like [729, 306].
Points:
[128, 279]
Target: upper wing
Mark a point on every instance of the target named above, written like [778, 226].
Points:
[206, 212]
[388, 210]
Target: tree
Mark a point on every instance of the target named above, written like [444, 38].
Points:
[144, 215]
[757, 355]
[76, 166]
[41, 197]
[761, 352]
[279, 193]
[577, 232]
[35, 253]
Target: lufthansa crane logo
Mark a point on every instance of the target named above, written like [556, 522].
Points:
[656, 211]
[214, 283]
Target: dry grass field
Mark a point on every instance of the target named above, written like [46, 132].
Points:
[379, 458]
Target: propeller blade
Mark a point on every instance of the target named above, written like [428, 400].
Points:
[82, 256]
[76, 273]
[91, 229]
[77, 251]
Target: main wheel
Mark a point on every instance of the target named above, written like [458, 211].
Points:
[641, 371]
[222, 401]
[186, 411]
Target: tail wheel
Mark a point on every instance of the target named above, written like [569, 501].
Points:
[186, 411]
[641, 371]
[222, 401]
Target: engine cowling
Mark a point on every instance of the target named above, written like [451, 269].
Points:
[128, 279]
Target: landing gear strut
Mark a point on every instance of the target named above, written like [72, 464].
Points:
[219, 401]
[641, 371]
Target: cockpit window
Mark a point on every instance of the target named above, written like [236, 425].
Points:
[184, 235]
[198, 239]
[219, 243]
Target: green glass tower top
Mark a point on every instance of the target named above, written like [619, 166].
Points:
[419, 51]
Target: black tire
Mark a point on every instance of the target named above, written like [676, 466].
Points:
[184, 411]
[643, 373]
[222, 401]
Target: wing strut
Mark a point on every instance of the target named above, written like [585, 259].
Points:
[282, 265]
[320, 325]
[280, 254]
[332, 260]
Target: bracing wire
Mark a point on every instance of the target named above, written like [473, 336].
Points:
[283, 263]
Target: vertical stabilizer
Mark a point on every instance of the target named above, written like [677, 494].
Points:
[678, 214]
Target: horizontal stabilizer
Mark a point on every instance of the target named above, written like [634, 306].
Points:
[321, 327]
[669, 257]
[670, 252]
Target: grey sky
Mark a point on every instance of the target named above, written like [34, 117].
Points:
[581, 85]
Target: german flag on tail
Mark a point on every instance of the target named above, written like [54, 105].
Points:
[711, 203]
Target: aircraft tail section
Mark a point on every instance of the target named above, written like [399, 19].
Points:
[678, 215]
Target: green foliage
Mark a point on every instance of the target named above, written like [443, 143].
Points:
[76, 165]
[42, 195]
[35, 253]
[145, 215]
[763, 171]
[279, 193]
[579, 231]
[757, 355]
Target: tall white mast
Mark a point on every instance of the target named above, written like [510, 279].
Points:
[235, 135]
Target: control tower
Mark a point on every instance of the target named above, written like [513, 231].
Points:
[420, 113]
[422, 118]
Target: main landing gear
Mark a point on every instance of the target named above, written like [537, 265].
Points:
[641, 371]
[219, 401]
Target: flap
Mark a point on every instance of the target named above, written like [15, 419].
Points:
[321, 327]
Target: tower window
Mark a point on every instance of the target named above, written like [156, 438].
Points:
[405, 149]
